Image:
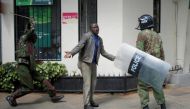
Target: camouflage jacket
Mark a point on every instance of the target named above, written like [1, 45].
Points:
[26, 52]
[151, 43]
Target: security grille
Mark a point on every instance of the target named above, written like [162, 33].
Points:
[157, 15]
[48, 28]
[87, 15]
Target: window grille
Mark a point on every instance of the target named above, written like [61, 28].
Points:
[48, 28]
[156, 14]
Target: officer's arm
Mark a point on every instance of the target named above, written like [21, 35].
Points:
[140, 41]
[30, 28]
[26, 36]
[162, 56]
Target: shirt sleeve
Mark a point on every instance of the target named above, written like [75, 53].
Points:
[80, 45]
[104, 53]
[162, 56]
[140, 41]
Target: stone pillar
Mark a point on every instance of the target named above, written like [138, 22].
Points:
[183, 38]
[187, 49]
[182, 18]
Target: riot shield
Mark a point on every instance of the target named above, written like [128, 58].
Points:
[147, 68]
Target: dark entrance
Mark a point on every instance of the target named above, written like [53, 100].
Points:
[87, 15]
[0, 35]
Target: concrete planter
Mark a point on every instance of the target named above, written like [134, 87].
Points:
[104, 84]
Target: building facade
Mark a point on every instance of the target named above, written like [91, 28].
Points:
[117, 20]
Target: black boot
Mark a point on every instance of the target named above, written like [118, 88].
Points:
[163, 106]
[93, 104]
[56, 99]
[52, 92]
[146, 107]
[88, 107]
[18, 93]
[53, 96]
[11, 101]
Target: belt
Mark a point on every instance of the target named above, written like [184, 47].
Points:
[23, 60]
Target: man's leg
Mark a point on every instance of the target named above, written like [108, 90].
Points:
[93, 84]
[143, 94]
[160, 99]
[86, 73]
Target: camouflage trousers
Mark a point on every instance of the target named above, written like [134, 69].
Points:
[89, 73]
[26, 76]
[144, 94]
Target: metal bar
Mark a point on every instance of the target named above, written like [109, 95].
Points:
[56, 35]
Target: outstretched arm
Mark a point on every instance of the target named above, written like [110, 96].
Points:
[77, 48]
[104, 53]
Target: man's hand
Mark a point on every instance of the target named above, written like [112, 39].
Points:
[67, 54]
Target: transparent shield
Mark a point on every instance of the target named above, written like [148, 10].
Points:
[147, 68]
[154, 71]
[123, 57]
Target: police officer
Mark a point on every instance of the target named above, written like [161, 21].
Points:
[26, 67]
[150, 42]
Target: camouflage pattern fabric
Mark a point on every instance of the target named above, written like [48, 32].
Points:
[151, 43]
[27, 76]
[26, 57]
[144, 95]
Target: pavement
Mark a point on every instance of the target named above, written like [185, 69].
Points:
[176, 98]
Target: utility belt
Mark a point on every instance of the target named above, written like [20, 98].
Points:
[23, 60]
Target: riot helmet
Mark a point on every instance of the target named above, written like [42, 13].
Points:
[145, 22]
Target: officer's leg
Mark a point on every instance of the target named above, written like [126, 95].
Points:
[17, 94]
[25, 77]
[25, 84]
[52, 91]
[160, 99]
[46, 83]
[143, 94]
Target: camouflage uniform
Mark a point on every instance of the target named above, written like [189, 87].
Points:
[26, 60]
[150, 42]
[26, 68]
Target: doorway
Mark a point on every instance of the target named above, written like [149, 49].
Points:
[87, 15]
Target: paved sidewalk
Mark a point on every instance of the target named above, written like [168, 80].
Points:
[176, 98]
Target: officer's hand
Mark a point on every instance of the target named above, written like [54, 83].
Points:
[67, 54]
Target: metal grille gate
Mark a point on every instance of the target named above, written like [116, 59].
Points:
[87, 15]
[48, 28]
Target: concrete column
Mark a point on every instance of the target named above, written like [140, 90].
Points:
[7, 24]
[182, 18]
[69, 32]
[183, 38]
[187, 50]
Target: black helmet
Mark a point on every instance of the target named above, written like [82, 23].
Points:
[145, 22]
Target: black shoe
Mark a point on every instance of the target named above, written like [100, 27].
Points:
[88, 107]
[163, 106]
[146, 107]
[93, 104]
[11, 101]
[55, 99]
